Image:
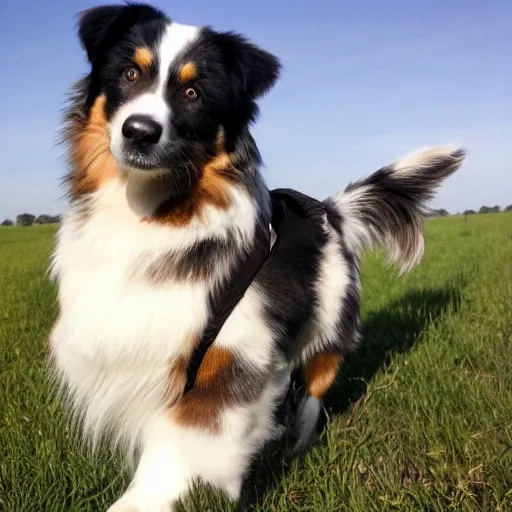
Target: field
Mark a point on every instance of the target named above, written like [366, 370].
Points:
[420, 420]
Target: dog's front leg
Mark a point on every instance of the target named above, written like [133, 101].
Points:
[210, 434]
[163, 473]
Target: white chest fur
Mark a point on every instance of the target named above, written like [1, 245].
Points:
[117, 333]
[108, 308]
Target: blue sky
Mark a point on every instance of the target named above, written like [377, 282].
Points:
[363, 83]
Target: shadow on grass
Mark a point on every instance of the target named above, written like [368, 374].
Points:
[393, 330]
[386, 333]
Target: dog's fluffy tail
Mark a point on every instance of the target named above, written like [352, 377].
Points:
[387, 208]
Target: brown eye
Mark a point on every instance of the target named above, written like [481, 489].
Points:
[191, 94]
[132, 74]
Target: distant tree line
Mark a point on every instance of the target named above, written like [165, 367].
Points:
[484, 209]
[489, 209]
[438, 213]
[27, 219]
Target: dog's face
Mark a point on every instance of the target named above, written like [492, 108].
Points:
[172, 96]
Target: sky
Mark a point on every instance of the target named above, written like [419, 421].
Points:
[363, 83]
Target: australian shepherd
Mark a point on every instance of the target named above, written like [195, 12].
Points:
[168, 213]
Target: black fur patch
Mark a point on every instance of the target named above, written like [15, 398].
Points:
[288, 278]
[202, 261]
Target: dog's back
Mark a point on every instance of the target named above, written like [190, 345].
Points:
[311, 283]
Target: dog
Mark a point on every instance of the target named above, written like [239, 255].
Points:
[167, 208]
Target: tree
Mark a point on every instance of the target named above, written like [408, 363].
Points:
[485, 209]
[47, 219]
[508, 208]
[469, 212]
[7, 222]
[495, 209]
[437, 213]
[25, 219]
[42, 219]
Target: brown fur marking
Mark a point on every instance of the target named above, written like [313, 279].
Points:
[221, 381]
[93, 163]
[321, 372]
[215, 365]
[202, 405]
[211, 188]
[143, 58]
[187, 72]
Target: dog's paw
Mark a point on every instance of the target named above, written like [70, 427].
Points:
[123, 506]
[134, 503]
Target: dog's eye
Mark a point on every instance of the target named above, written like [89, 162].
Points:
[191, 94]
[132, 74]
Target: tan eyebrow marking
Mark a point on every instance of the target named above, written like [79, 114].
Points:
[187, 72]
[143, 58]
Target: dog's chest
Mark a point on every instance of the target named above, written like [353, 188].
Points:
[111, 314]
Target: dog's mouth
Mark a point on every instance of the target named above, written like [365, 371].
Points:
[141, 159]
[169, 169]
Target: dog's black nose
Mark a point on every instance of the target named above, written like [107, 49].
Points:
[142, 130]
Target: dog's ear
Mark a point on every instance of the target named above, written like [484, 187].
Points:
[94, 26]
[253, 70]
[100, 27]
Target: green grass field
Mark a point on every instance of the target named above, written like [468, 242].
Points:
[420, 420]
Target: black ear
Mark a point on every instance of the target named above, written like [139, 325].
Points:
[253, 70]
[100, 27]
[94, 25]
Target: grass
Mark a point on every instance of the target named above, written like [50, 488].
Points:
[421, 418]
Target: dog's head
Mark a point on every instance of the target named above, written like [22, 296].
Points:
[170, 97]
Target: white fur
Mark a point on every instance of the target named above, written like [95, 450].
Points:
[358, 235]
[422, 158]
[257, 342]
[175, 40]
[331, 286]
